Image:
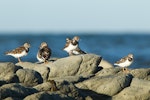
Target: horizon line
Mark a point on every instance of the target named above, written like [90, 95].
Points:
[74, 32]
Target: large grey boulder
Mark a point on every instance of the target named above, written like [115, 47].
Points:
[138, 90]
[108, 85]
[143, 73]
[109, 71]
[140, 83]
[105, 64]
[7, 72]
[29, 77]
[75, 65]
[15, 90]
[41, 68]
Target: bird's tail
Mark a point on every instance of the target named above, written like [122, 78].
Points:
[115, 64]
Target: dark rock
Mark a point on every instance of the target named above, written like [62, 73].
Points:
[7, 72]
[15, 90]
[11, 98]
[47, 96]
[29, 77]
[41, 68]
[46, 86]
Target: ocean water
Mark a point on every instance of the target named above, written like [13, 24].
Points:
[111, 46]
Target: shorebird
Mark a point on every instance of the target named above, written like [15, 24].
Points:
[125, 62]
[19, 52]
[44, 52]
[76, 51]
[72, 46]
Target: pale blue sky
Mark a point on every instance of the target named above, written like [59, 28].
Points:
[75, 15]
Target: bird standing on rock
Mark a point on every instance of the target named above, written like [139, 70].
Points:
[44, 52]
[125, 62]
[72, 46]
[19, 52]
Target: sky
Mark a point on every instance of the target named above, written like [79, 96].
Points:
[75, 15]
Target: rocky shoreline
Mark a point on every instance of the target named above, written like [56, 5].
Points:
[82, 77]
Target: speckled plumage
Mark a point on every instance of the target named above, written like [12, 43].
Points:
[72, 46]
[76, 51]
[20, 51]
[125, 61]
[44, 52]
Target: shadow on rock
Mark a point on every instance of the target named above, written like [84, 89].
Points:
[91, 95]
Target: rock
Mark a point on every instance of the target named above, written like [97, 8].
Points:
[109, 71]
[75, 65]
[45, 96]
[15, 90]
[41, 68]
[142, 73]
[139, 90]
[107, 85]
[46, 86]
[105, 64]
[70, 79]
[11, 98]
[2, 83]
[132, 93]
[91, 95]
[64, 92]
[7, 72]
[29, 77]
[147, 78]
[70, 90]
[140, 83]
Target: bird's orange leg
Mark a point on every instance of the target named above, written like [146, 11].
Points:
[45, 62]
[19, 60]
[123, 69]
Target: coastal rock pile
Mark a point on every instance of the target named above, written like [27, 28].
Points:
[80, 77]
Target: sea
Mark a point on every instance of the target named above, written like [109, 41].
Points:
[111, 47]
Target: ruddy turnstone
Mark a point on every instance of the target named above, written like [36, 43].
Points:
[20, 51]
[76, 51]
[125, 62]
[72, 46]
[44, 52]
